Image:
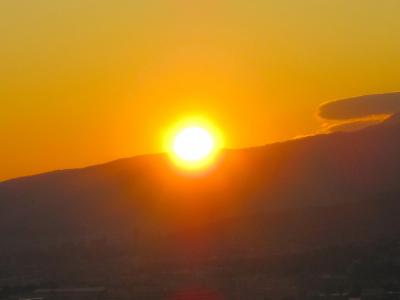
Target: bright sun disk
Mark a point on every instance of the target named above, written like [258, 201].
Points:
[193, 144]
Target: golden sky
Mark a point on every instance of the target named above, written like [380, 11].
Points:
[86, 81]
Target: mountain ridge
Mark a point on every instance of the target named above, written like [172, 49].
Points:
[392, 120]
[147, 198]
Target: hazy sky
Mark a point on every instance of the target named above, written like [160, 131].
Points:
[82, 82]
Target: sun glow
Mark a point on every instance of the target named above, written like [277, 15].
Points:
[194, 144]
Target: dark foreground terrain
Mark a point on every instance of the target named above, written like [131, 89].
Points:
[314, 218]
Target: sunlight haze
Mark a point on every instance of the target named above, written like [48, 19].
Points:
[84, 82]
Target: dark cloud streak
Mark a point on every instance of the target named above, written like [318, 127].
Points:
[361, 107]
[352, 126]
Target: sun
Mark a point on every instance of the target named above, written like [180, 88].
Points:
[194, 144]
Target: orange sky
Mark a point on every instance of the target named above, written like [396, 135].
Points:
[87, 81]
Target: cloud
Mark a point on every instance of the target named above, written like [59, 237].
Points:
[361, 107]
[352, 126]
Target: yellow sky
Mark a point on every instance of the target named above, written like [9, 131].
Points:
[86, 81]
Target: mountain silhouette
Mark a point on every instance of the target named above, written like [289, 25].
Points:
[303, 193]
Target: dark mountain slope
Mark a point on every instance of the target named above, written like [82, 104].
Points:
[316, 184]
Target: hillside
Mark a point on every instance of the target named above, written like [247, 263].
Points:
[146, 198]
